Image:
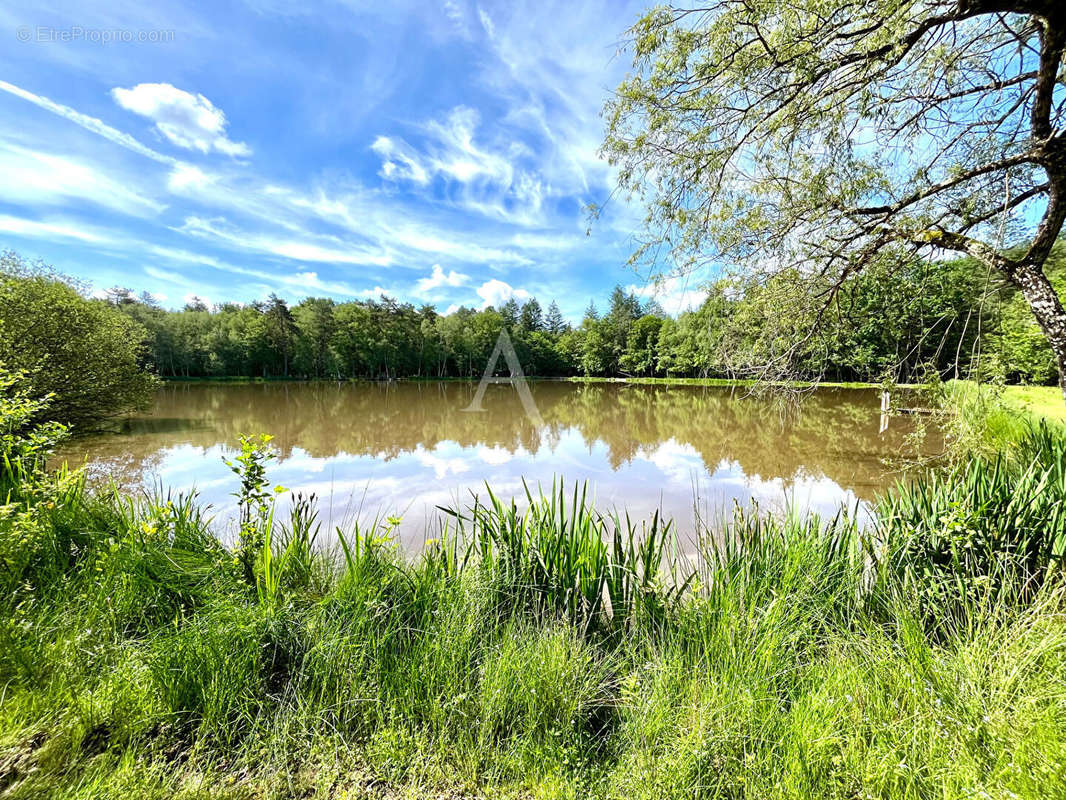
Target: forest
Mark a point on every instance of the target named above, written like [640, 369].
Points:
[899, 322]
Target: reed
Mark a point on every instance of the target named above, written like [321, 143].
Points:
[985, 528]
[560, 556]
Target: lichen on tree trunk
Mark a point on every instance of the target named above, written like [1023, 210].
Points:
[1048, 310]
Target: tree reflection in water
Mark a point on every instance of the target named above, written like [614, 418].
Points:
[370, 448]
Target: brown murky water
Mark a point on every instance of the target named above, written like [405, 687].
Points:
[406, 448]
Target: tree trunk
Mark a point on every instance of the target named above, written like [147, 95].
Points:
[1047, 308]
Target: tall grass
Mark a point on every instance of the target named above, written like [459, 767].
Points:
[560, 556]
[985, 528]
[540, 649]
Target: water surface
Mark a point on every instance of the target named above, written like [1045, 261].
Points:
[369, 449]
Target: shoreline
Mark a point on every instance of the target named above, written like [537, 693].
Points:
[1039, 401]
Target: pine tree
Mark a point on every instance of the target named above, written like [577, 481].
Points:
[531, 318]
[509, 311]
[554, 322]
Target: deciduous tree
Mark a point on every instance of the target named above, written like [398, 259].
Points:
[818, 135]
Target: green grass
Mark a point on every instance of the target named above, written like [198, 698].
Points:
[540, 651]
[727, 382]
[1042, 401]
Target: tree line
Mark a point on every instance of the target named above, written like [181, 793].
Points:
[895, 321]
[100, 355]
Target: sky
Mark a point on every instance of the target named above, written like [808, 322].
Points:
[439, 152]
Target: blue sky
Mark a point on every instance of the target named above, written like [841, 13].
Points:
[439, 152]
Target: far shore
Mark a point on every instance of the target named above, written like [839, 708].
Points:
[1041, 401]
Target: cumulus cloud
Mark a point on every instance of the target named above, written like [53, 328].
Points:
[676, 294]
[188, 120]
[496, 293]
[440, 278]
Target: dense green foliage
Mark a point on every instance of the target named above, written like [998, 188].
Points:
[545, 651]
[904, 322]
[815, 140]
[898, 320]
[84, 353]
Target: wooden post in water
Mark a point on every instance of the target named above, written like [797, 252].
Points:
[885, 406]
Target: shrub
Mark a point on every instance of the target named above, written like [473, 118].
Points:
[83, 353]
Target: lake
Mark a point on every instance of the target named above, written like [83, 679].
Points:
[372, 449]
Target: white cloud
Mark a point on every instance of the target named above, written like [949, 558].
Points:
[427, 240]
[297, 283]
[376, 292]
[44, 229]
[186, 176]
[310, 280]
[378, 235]
[330, 249]
[166, 275]
[675, 294]
[496, 293]
[459, 157]
[486, 22]
[501, 164]
[32, 178]
[399, 161]
[192, 298]
[89, 123]
[188, 120]
[490, 179]
[439, 278]
[455, 15]
[442, 466]
[495, 455]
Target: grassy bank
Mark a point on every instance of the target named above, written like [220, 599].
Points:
[541, 651]
[1033, 401]
[730, 382]
[1041, 401]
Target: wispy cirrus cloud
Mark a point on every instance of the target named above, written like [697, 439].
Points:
[49, 229]
[494, 180]
[444, 138]
[36, 178]
[90, 123]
